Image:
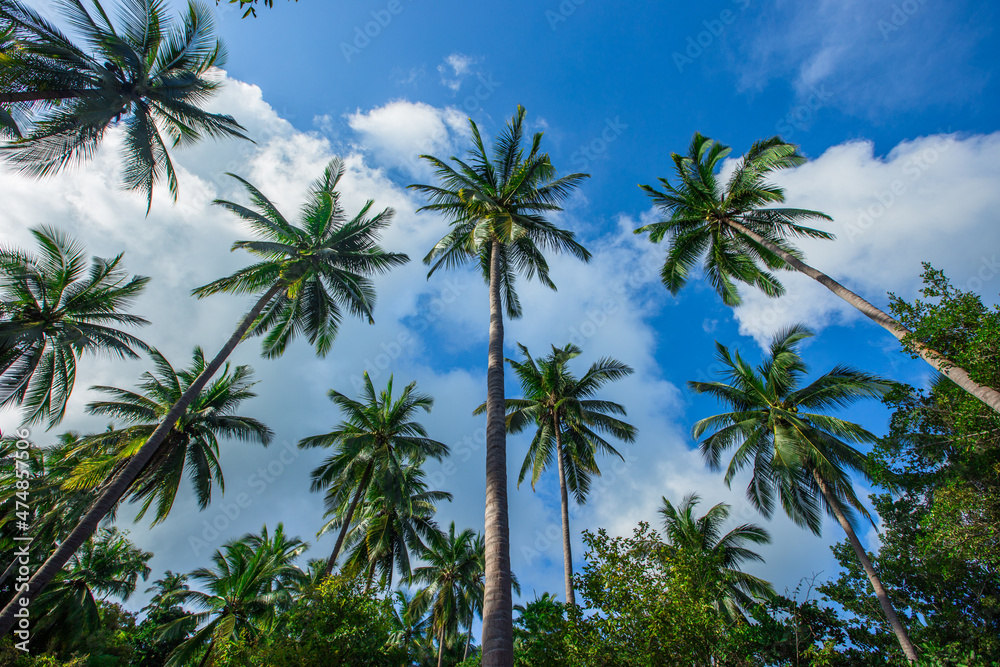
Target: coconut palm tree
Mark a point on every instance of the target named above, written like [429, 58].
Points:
[497, 206]
[147, 73]
[408, 627]
[377, 436]
[241, 596]
[741, 236]
[52, 311]
[396, 519]
[192, 444]
[797, 456]
[306, 276]
[731, 550]
[567, 419]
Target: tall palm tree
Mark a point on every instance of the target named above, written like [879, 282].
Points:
[377, 436]
[395, 520]
[148, 74]
[192, 444]
[799, 455]
[567, 419]
[306, 275]
[731, 550]
[448, 578]
[240, 598]
[52, 310]
[741, 236]
[496, 206]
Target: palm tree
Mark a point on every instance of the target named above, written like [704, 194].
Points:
[52, 310]
[741, 236]
[497, 207]
[793, 452]
[241, 597]
[192, 444]
[567, 419]
[408, 627]
[730, 550]
[448, 578]
[148, 74]
[307, 274]
[378, 435]
[397, 518]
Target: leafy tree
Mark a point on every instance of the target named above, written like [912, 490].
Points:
[147, 73]
[164, 607]
[307, 275]
[800, 456]
[376, 438]
[568, 421]
[496, 206]
[539, 632]
[682, 531]
[192, 444]
[52, 310]
[742, 236]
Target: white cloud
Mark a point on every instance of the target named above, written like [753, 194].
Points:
[454, 69]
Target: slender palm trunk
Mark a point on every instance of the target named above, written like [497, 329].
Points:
[498, 627]
[959, 376]
[468, 643]
[362, 487]
[564, 497]
[208, 653]
[440, 646]
[116, 489]
[880, 592]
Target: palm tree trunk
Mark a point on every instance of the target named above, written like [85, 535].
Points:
[208, 653]
[468, 643]
[959, 376]
[880, 592]
[117, 488]
[440, 646]
[564, 497]
[362, 487]
[498, 627]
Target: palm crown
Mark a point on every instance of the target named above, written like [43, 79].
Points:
[147, 73]
[52, 310]
[704, 215]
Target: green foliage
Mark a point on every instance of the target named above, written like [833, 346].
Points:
[538, 632]
[250, 5]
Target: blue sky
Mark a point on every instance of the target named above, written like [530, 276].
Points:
[894, 101]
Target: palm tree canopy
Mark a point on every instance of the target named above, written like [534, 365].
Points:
[700, 207]
[551, 392]
[499, 202]
[192, 444]
[775, 431]
[322, 266]
[146, 73]
[52, 310]
[704, 534]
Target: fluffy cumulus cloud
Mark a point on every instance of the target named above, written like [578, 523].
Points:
[454, 69]
[890, 213]
[434, 331]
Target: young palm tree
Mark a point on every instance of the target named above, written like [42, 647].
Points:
[148, 74]
[52, 310]
[306, 275]
[241, 596]
[799, 455]
[567, 419]
[741, 236]
[408, 627]
[704, 535]
[497, 206]
[192, 444]
[450, 576]
[377, 436]
[397, 518]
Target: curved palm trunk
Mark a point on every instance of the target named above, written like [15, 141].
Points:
[350, 515]
[116, 489]
[959, 376]
[880, 592]
[208, 653]
[468, 643]
[498, 627]
[440, 646]
[564, 497]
